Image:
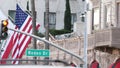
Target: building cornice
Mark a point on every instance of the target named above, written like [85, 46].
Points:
[95, 3]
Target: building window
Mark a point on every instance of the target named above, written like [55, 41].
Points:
[73, 19]
[96, 18]
[108, 14]
[83, 0]
[12, 13]
[52, 20]
[118, 14]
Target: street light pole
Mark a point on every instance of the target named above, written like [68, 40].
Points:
[34, 25]
[47, 27]
[51, 44]
[84, 19]
[85, 41]
[84, 15]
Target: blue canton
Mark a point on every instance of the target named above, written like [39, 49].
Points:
[20, 17]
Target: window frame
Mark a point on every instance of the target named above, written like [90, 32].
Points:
[54, 13]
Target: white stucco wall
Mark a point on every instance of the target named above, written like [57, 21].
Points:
[57, 6]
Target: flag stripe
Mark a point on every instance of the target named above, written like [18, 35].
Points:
[15, 39]
[27, 30]
[8, 47]
[23, 49]
[16, 55]
[26, 25]
[7, 52]
[24, 45]
[15, 62]
[20, 38]
[25, 37]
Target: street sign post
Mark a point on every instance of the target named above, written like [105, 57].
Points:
[37, 52]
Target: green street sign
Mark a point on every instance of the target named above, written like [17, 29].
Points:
[36, 52]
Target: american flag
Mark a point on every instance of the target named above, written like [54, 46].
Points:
[19, 42]
[23, 22]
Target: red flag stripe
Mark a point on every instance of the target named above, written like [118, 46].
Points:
[8, 48]
[15, 62]
[29, 31]
[17, 43]
[24, 39]
[16, 55]
[23, 50]
[23, 45]
[16, 39]
[7, 52]
[26, 25]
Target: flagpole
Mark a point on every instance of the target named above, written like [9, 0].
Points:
[34, 25]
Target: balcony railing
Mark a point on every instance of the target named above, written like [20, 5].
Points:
[107, 37]
[100, 38]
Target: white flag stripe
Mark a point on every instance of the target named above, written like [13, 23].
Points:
[7, 41]
[15, 55]
[16, 62]
[23, 50]
[16, 44]
[15, 40]
[26, 21]
[21, 38]
[23, 45]
[15, 34]
[5, 47]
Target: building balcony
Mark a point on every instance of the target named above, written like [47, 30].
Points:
[106, 38]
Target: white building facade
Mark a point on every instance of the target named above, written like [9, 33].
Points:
[56, 9]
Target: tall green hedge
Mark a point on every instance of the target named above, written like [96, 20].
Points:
[59, 32]
[67, 17]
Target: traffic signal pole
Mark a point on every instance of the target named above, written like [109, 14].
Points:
[51, 44]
